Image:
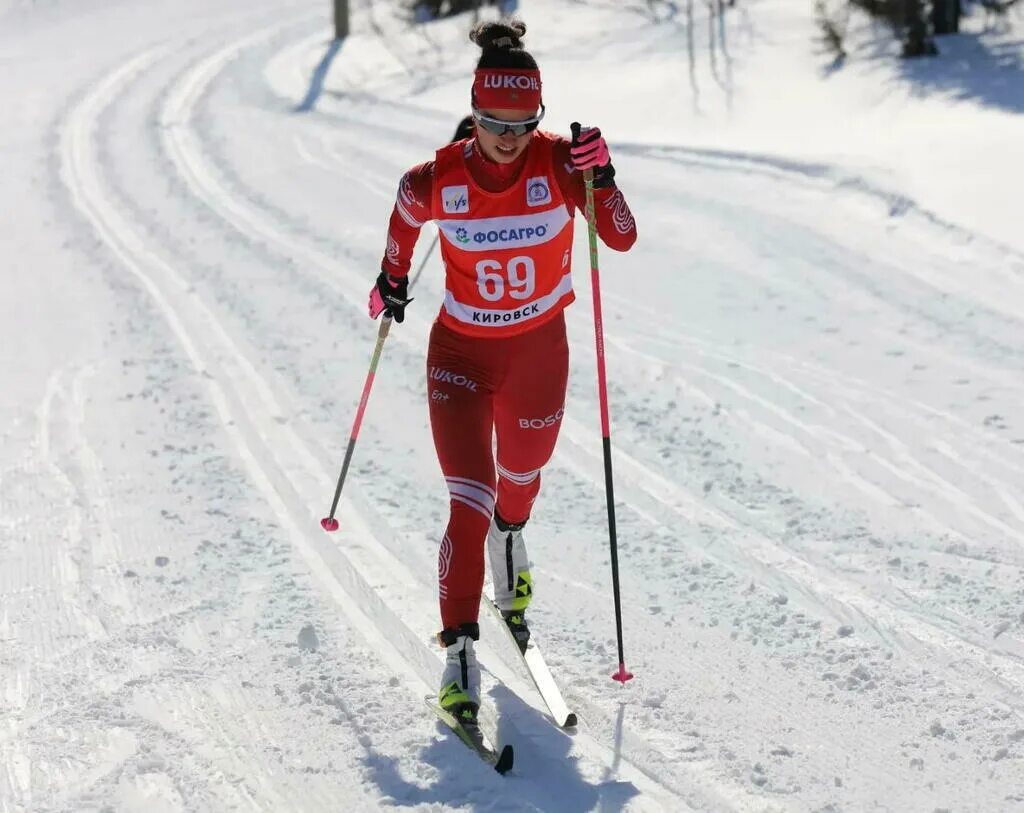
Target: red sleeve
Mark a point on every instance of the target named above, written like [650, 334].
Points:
[412, 210]
[615, 223]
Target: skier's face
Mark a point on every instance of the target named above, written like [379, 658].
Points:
[507, 147]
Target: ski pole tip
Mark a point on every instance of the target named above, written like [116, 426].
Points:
[329, 524]
[622, 675]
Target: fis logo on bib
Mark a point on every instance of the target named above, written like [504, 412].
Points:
[538, 192]
[455, 199]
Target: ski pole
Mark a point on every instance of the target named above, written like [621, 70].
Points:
[329, 523]
[423, 264]
[602, 387]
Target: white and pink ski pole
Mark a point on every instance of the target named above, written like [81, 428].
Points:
[329, 523]
[622, 675]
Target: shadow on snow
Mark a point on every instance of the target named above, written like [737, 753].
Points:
[545, 776]
[316, 81]
[985, 67]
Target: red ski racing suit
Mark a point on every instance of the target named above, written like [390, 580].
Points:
[497, 363]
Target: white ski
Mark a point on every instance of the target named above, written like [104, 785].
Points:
[540, 674]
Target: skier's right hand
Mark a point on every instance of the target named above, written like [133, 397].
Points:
[389, 296]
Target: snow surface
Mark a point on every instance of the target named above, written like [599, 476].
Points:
[815, 355]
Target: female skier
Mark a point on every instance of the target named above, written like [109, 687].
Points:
[497, 361]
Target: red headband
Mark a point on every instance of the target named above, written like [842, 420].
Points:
[507, 88]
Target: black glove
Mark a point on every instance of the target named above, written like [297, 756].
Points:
[390, 295]
[589, 150]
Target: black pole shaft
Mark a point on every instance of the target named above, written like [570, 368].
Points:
[622, 674]
[610, 491]
[344, 472]
[416, 276]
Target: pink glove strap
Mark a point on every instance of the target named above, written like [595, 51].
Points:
[376, 305]
[593, 152]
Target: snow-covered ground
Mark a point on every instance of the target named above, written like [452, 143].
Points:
[816, 355]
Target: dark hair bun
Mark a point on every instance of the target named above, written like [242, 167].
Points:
[504, 35]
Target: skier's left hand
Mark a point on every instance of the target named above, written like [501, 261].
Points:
[590, 151]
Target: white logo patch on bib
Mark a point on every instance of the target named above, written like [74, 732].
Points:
[538, 193]
[455, 199]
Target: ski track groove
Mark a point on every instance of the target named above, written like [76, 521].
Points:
[850, 388]
[65, 452]
[252, 439]
[88, 197]
[866, 392]
[928, 479]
